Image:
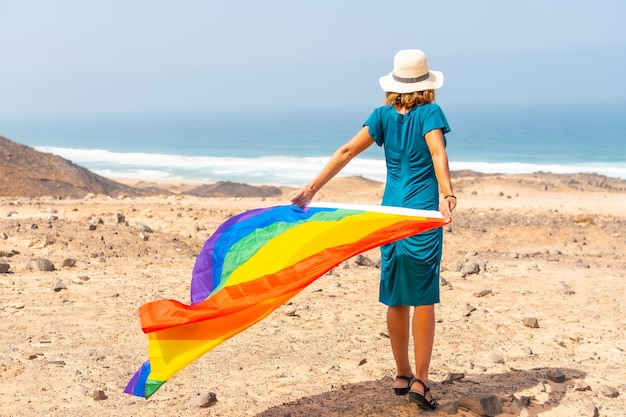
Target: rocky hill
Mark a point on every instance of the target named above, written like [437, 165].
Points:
[25, 172]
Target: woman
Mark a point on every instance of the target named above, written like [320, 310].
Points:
[411, 129]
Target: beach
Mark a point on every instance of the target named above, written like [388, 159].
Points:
[532, 312]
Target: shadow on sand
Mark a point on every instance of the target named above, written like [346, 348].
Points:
[376, 399]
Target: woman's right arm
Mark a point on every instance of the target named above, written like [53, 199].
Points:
[360, 142]
[436, 145]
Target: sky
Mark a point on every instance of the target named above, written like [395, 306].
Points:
[76, 57]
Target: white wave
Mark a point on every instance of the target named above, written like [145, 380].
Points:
[279, 170]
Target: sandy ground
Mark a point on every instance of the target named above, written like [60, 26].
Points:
[549, 248]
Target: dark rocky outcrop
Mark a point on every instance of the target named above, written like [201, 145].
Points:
[234, 189]
[26, 172]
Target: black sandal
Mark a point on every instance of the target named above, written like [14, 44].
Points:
[405, 390]
[420, 399]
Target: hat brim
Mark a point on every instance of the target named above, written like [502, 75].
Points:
[390, 85]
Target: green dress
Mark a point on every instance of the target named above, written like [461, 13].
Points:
[409, 267]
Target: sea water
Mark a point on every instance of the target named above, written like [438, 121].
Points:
[288, 147]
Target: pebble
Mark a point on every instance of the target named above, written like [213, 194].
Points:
[482, 404]
[469, 309]
[470, 268]
[40, 264]
[608, 391]
[531, 322]
[99, 395]
[4, 268]
[581, 385]
[59, 286]
[202, 400]
[453, 376]
[363, 260]
[556, 376]
[68, 262]
[590, 411]
[119, 218]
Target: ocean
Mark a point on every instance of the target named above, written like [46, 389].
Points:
[289, 147]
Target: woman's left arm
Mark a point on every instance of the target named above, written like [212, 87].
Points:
[436, 146]
[361, 141]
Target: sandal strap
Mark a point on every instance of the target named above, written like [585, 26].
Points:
[406, 378]
[426, 388]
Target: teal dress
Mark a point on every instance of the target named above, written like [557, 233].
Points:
[409, 267]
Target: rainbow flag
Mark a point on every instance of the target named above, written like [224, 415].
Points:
[253, 264]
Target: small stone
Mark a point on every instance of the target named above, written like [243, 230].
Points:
[363, 260]
[40, 264]
[482, 404]
[590, 411]
[482, 293]
[608, 391]
[470, 268]
[119, 218]
[452, 376]
[531, 322]
[143, 236]
[99, 395]
[4, 268]
[556, 376]
[361, 362]
[145, 228]
[581, 385]
[69, 262]
[59, 286]
[202, 400]
[469, 309]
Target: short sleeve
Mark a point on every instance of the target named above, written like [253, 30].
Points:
[435, 119]
[375, 125]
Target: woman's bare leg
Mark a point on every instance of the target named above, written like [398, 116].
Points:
[423, 338]
[398, 320]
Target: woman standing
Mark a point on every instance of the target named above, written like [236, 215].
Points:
[410, 128]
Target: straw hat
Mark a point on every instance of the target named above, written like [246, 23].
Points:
[410, 73]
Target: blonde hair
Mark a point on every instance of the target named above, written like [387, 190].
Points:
[410, 100]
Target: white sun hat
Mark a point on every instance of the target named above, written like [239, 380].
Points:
[411, 73]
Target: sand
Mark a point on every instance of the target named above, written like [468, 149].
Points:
[548, 248]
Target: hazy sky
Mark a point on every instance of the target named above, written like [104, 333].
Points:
[85, 57]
